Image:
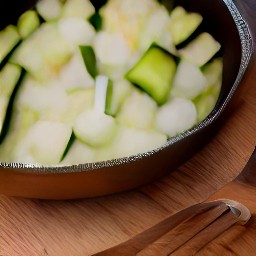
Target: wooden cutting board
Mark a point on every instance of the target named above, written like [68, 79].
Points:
[83, 227]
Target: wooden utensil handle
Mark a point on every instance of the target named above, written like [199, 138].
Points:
[191, 228]
[193, 234]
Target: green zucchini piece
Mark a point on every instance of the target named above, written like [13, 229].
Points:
[213, 71]
[183, 24]
[28, 22]
[121, 88]
[154, 73]
[89, 59]
[79, 153]
[69, 145]
[109, 95]
[9, 39]
[10, 79]
[201, 49]
[22, 119]
[206, 101]
[96, 21]
[45, 143]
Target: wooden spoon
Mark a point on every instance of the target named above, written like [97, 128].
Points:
[189, 230]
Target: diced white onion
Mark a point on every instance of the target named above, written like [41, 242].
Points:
[77, 31]
[94, 128]
[176, 116]
[49, 9]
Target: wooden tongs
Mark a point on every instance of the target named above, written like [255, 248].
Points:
[189, 230]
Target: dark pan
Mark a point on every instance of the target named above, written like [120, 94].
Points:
[225, 23]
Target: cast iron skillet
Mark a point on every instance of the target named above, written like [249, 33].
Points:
[224, 22]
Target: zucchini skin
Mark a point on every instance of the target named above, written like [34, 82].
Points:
[196, 33]
[151, 75]
[89, 59]
[9, 111]
[96, 21]
[69, 145]
[8, 56]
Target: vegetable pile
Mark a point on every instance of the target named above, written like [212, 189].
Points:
[80, 84]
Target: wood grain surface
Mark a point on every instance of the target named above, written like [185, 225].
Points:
[84, 227]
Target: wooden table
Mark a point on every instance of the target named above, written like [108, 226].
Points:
[83, 227]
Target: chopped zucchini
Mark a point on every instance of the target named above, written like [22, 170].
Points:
[154, 73]
[79, 153]
[69, 145]
[9, 39]
[204, 104]
[96, 21]
[89, 59]
[213, 71]
[121, 88]
[44, 143]
[183, 24]
[177, 13]
[206, 101]
[28, 22]
[78, 102]
[22, 119]
[201, 49]
[10, 79]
